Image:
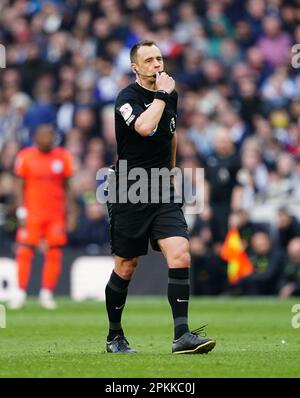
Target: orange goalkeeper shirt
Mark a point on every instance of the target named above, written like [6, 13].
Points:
[44, 174]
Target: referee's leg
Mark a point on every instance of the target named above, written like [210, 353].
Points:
[176, 251]
[125, 267]
[116, 294]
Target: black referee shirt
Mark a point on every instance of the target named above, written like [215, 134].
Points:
[154, 150]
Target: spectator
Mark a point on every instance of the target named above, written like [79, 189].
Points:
[202, 133]
[244, 35]
[260, 70]
[208, 269]
[249, 102]
[85, 122]
[267, 262]
[252, 179]
[91, 231]
[290, 283]
[43, 110]
[288, 227]
[240, 219]
[274, 37]
[189, 75]
[222, 168]
[278, 89]
[8, 156]
[187, 21]
[236, 126]
[254, 13]
[266, 139]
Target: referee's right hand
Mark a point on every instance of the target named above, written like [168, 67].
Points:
[165, 82]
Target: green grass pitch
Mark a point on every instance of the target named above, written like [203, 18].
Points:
[255, 338]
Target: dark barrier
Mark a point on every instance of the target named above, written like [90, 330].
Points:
[150, 277]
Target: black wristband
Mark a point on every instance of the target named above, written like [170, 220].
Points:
[162, 95]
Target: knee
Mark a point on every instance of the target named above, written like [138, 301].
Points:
[183, 260]
[180, 258]
[125, 268]
[54, 254]
[25, 252]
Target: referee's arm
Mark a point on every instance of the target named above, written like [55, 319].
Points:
[147, 122]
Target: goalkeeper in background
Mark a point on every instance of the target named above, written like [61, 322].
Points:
[43, 197]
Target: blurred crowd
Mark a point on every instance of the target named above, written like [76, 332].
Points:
[238, 117]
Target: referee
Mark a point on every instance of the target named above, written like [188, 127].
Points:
[145, 122]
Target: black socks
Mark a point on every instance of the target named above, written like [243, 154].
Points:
[115, 294]
[178, 296]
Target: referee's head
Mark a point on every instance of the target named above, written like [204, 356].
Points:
[146, 60]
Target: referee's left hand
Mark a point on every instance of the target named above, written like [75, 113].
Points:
[165, 82]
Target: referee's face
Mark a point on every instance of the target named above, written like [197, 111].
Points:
[149, 61]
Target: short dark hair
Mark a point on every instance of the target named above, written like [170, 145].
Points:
[142, 43]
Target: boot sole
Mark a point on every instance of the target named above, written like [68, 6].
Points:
[200, 349]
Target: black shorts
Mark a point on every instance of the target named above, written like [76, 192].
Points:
[132, 225]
